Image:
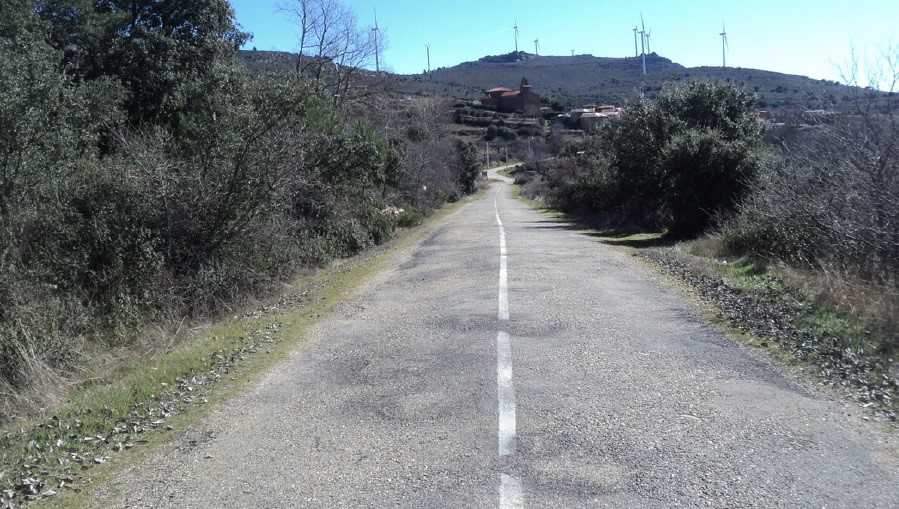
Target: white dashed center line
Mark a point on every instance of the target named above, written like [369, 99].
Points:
[510, 492]
[506, 393]
[510, 496]
[503, 267]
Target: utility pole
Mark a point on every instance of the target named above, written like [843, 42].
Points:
[377, 35]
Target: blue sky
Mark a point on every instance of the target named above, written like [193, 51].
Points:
[810, 37]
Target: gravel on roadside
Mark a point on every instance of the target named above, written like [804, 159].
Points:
[773, 315]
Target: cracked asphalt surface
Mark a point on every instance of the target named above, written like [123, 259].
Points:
[626, 397]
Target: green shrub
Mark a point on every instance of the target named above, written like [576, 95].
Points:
[102, 240]
[50, 123]
[679, 163]
[220, 187]
[409, 218]
[706, 176]
[150, 47]
[506, 133]
[469, 167]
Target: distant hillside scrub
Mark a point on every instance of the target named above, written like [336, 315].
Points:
[678, 162]
[146, 174]
[573, 81]
[832, 200]
[820, 199]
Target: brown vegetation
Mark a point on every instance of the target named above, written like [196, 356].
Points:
[184, 187]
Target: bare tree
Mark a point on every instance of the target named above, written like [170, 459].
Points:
[304, 15]
[834, 200]
[333, 49]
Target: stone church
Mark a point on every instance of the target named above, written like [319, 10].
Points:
[505, 100]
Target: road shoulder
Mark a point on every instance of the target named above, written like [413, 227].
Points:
[221, 362]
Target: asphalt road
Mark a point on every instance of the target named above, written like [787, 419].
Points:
[598, 387]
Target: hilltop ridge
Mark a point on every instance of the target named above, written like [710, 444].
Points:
[579, 79]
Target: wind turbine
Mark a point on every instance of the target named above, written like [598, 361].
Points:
[643, 42]
[428, 48]
[516, 35]
[537, 47]
[648, 36]
[377, 32]
[636, 51]
[724, 45]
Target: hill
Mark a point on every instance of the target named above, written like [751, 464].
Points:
[580, 79]
[585, 78]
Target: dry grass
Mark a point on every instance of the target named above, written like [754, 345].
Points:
[126, 383]
[101, 363]
[876, 305]
[47, 389]
[842, 303]
[98, 362]
[708, 246]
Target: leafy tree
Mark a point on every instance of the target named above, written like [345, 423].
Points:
[151, 46]
[469, 166]
[49, 122]
[679, 162]
[17, 21]
[143, 172]
[685, 158]
[712, 155]
[707, 175]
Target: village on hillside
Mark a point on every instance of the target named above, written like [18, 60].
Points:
[518, 123]
[501, 106]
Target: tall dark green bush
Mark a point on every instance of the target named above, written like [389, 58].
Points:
[144, 173]
[51, 128]
[677, 163]
[469, 166]
[150, 46]
[706, 175]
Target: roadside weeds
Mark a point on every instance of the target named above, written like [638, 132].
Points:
[780, 319]
[757, 308]
[118, 421]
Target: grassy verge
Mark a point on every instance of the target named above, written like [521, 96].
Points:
[119, 420]
[777, 308]
[756, 276]
[532, 202]
[507, 172]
